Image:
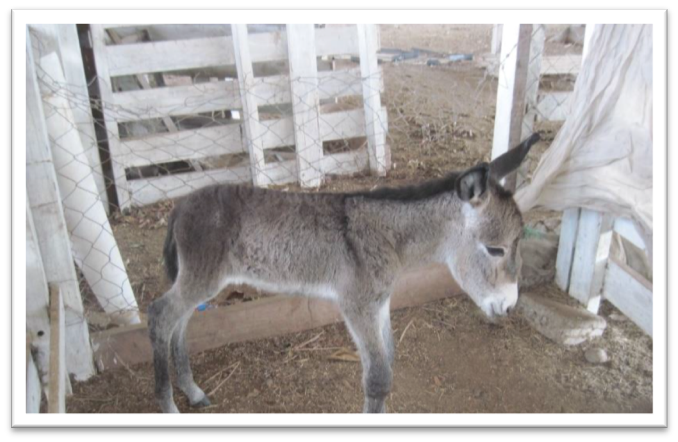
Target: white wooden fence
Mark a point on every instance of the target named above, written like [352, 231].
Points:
[584, 267]
[268, 112]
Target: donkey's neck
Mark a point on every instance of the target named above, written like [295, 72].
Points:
[420, 231]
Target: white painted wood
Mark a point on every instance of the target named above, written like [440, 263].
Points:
[253, 130]
[332, 126]
[50, 225]
[375, 127]
[198, 53]
[150, 190]
[561, 65]
[630, 293]
[94, 247]
[68, 46]
[534, 62]
[346, 163]
[495, 45]
[554, 106]
[331, 84]
[175, 100]
[505, 89]
[568, 237]
[588, 36]
[592, 249]
[109, 111]
[627, 228]
[511, 92]
[305, 103]
[37, 300]
[33, 386]
[57, 365]
[343, 163]
[183, 145]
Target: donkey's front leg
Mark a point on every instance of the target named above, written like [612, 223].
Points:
[366, 324]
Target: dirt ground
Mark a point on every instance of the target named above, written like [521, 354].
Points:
[448, 359]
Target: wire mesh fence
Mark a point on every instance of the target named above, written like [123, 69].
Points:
[160, 129]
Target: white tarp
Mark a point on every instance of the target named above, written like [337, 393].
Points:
[601, 158]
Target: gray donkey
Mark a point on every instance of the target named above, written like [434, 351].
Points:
[345, 247]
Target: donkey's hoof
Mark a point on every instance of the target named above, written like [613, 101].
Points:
[204, 402]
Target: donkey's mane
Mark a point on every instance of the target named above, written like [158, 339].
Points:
[425, 190]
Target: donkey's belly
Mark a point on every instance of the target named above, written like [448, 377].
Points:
[324, 291]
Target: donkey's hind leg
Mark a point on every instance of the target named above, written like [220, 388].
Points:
[163, 316]
[375, 346]
[182, 365]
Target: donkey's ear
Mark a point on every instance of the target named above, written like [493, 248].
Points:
[471, 185]
[510, 161]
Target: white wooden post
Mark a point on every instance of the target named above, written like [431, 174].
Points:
[57, 356]
[305, 103]
[535, 54]
[378, 152]
[64, 40]
[569, 225]
[37, 301]
[93, 244]
[252, 126]
[495, 45]
[568, 236]
[592, 249]
[513, 75]
[112, 133]
[33, 386]
[50, 226]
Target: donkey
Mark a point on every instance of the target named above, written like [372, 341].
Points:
[345, 247]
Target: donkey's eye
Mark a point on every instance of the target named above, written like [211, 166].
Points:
[495, 251]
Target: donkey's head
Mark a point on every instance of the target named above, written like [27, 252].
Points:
[486, 263]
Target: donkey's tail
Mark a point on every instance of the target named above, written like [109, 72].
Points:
[169, 250]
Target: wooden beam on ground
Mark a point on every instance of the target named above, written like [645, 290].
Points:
[263, 318]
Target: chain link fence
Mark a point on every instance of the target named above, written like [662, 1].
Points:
[158, 130]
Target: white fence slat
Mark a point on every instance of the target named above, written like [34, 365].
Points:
[57, 357]
[628, 229]
[630, 293]
[495, 45]
[33, 385]
[568, 238]
[554, 106]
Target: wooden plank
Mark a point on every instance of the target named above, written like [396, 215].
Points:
[150, 190]
[166, 56]
[331, 84]
[76, 84]
[278, 173]
[33, 386]
[253, 131]
[513, 75]
[333, 126]
[264, 318]
[628, 229]
[554, 106]
[561, 65]
[37, 297]
[630, 293]
[592, 248]
[568, 237]
[50, 225]
[305, 103]
[183, 145]
[534, 63]
[57, 359]
[346, 163]
[495, 45]
[375, 127]
[175, 100]
[112, 133]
